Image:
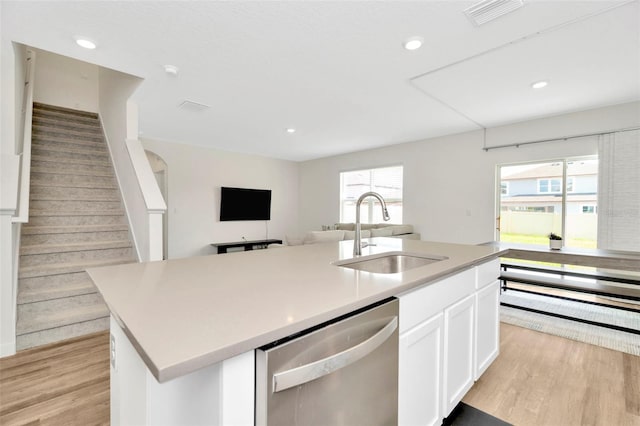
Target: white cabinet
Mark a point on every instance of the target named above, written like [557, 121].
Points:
[420, 373]
[459, 330]
[219, 394]
[448, 336]
[487, 327]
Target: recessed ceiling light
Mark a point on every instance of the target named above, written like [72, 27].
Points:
[86, 43]
[171, 69]
[539, 84]
[413, 43]
[291, 130]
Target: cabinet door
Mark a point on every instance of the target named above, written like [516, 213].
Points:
[420, 374]
[487, 327]
[458, 359]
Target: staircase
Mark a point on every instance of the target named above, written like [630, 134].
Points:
[76, 221]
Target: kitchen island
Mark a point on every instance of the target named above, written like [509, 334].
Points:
[184, 330]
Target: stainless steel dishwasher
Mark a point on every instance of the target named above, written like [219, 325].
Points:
[341, 373]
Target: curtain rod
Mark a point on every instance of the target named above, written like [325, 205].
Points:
[564, 138]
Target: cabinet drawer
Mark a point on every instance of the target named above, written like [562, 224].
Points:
[487, 273]
[423, 303]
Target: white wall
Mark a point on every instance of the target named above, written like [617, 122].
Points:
[11, 83]
[12, 73]
[449, 182]
[66, 82]
[195, 175]
[114, 89]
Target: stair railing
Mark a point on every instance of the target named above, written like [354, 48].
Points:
[14, 212]
[24, 150]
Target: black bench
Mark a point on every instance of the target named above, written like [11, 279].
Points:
[600, 282]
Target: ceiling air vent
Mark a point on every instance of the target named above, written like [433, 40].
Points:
[193, 106]
[488, 10]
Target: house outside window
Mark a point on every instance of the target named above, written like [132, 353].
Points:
[558, 196]
[387, 181]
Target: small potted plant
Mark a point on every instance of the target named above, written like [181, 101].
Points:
[555, 241]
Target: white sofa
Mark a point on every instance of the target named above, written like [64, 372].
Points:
[346, 231]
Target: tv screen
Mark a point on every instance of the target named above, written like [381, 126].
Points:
[244, 204]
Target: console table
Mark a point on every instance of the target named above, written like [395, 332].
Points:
[247, 245]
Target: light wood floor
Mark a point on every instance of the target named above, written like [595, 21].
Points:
[65, 383]
[540, 379]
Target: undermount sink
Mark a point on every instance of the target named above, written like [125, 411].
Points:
[390, 263]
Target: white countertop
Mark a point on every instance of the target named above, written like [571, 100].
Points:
[595, 258]
[185, 314]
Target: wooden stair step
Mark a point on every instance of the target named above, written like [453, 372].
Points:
[73, 161]
[54, 167]
[62, 229]
[44, 131]
[27, 240]
[77, 220]
[49, 193]
[48, 314]
[54, 287]
[69, 152]
[73, 255]
[38, 338]
[61, 116]
[62, 110]
[73, 181]
[73, 247]
[65, 213]
[40, 271]
[59, 140]
[74, 205]
[48, 121]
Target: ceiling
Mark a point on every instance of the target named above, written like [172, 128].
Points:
[337, 72]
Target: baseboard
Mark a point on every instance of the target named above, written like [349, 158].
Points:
[8, 349]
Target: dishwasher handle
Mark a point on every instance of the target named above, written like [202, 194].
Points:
[306, 373]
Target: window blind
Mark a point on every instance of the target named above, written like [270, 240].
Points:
[619, 191]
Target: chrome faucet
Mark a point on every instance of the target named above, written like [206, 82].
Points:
[357, 242]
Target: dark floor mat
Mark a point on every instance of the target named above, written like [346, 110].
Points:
[466, 415]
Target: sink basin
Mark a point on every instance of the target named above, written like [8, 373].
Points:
[390, 263]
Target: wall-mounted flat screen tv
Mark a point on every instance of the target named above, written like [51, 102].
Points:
[244, 204]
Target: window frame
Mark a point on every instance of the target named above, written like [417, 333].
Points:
[569, 181]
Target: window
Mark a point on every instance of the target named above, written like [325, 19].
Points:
[553, 186]
[504, 188]
[589, 209]
[559, 197]
[387, 181]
